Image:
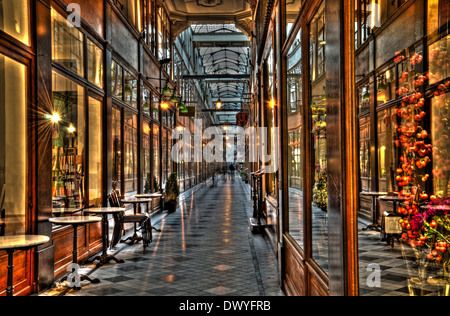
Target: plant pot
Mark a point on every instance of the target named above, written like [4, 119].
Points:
[171, 206]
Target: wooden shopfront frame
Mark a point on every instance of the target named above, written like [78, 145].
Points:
[299, 273]
[25, 261]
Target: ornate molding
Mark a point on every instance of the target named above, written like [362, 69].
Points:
[252, 4]
[177, 28]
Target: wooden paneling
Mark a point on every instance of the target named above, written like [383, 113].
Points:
[294, 278]
[89, 243]
[317, 286]
[22, 272]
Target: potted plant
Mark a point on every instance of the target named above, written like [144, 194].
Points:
[172, 193]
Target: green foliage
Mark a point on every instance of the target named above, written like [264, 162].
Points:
[172, 188]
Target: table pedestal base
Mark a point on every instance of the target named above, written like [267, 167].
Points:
[105, 259]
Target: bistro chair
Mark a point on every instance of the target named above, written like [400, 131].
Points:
[120, 219]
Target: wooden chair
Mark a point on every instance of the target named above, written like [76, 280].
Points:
[120, 219]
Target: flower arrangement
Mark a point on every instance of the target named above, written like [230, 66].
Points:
[425, 218]
[320, 192]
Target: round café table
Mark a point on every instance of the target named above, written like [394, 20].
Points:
[104, 212]
[19, 242]
[75, 222]
[135, 238]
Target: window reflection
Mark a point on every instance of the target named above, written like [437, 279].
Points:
[68, 143]
[13, 146]
[95, 152]
[146, 146]
[117, 148]
[295, 162]
[95, 64]
[319, 139]
[14, 19]
[67, 44]
[131, 152]
[156, 165]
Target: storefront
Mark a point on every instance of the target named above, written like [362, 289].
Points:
[363, 119]
[81, 113]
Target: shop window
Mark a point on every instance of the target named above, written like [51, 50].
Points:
[386, 151]
[296, 147]
[155, 108]
[317, 46]
[146, 101]
[146, 146]
[386, 86]
[364, 99]
[319, 215]
[13, 145]
[164, 38]
[270, 119]
[14, 19]
[67, 44]
[364, 154]
[95, 64]
[117, 80]
[440, 111]
[69, 137]
[131, 152]
[156, 163]
[117, 148]
[439, 59]
[292, 10]
[130, 89]
[132, 10]
[149, 23]
[165, 158]
[95, 152]
[438, 16]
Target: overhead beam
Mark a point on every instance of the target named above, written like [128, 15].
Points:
[218, 76]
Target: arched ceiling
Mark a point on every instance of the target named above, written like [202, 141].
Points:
[221, 32]
[224, 53]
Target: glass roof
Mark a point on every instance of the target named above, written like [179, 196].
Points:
[223, 59]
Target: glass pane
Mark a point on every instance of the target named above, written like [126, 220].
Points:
[117, 149]
[69, 135]
[117, 80]
[295, 125]
[131, 153]
[165, 157]
[146, 144]
[292, 11]
[319, 142]
[130, 89]
[146, 101]
[156, 157]
[95, 64]
[67, 44]
[14, 19]
[95, 152]
[364, 99]
[364, 153]
[13, 145]
[155, 108]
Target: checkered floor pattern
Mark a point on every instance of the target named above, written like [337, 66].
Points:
[203, 249]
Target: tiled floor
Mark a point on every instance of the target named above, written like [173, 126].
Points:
[204, 249]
